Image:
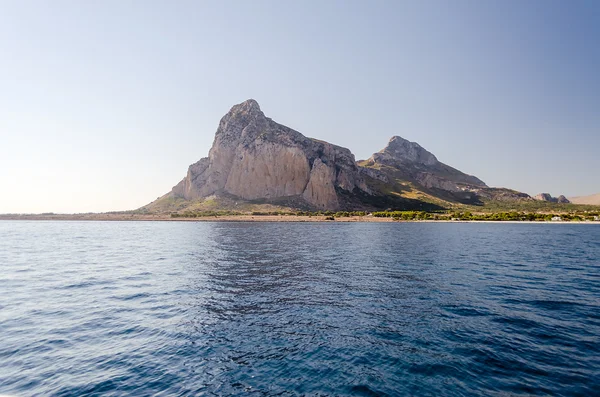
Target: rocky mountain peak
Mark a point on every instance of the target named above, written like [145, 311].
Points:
[243, 121]
[243, 114]
[403, 150]
[410, 161]
[562, 199]
[255, 158]
[248, 107]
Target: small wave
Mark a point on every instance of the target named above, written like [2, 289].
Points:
[519, 322]
[554, 304]
[468, 311]
[139, 295]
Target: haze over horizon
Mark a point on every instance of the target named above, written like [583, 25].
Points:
[106, 104]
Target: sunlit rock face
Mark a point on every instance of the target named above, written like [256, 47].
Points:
[253, 157]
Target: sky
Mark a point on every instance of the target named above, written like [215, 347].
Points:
[104, 104]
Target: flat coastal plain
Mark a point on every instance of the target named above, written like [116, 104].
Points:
[243, 218]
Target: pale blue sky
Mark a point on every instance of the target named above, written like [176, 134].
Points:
[104, 104]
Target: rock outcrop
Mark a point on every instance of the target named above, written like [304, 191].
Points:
[562, 200]
[544, 197]
[255, 158]
[548, 197]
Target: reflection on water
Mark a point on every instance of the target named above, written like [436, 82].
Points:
[181, 308]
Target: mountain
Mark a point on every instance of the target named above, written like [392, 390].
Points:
[410, 170]
[256, 163]
[422, 166]
[594, 199]
[254, 158]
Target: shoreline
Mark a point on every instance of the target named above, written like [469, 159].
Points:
[252, 218]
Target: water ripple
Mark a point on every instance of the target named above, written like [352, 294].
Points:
[278, 309]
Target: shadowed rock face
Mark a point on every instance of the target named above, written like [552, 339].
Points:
[253, 157]
[417, 164]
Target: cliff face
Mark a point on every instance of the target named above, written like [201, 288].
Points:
[253, 157]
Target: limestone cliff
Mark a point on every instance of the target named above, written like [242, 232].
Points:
[254, 158]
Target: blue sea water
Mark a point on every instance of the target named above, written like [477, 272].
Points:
[262, 309]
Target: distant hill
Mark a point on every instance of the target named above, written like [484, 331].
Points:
[256, 164]
[594, 199]
[548, 197]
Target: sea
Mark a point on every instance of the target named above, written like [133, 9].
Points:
[299, 309]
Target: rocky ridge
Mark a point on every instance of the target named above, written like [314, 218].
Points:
[407, 166]
[548, 197]
[412, 162]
